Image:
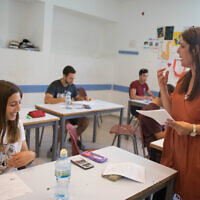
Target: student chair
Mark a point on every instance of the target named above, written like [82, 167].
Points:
[73, 134]
[131, 118]
[125, 130]
[82, 93]
[142, 137]
[152, 154]
[65, 137]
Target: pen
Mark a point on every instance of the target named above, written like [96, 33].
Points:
[29, 117]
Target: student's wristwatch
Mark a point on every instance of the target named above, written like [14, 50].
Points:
[194, 131]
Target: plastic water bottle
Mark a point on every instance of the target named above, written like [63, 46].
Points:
[68, 98]
[62, 176]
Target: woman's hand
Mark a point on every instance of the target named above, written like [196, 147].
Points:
[21, 159]
[162, 78]
[181, 127]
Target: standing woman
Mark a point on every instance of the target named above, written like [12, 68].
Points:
[14, 152]
[181, 149]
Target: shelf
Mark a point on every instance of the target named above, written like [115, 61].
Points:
[20, 19]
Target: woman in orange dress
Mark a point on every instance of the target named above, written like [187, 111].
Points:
[181, 149]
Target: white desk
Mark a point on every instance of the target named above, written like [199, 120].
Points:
[134, 102]
[158, 144]
[48, 120]
[90, 185]
[97, 107]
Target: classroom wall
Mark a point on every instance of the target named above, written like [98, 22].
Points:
[67, 32]
[88, 36]
[134, 29]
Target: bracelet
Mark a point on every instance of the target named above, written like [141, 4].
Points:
[194, 132]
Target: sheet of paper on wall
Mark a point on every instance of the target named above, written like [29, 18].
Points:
[126, 169]
[159, 116]
[12, 187]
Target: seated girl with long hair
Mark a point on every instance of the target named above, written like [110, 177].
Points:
[14, 152]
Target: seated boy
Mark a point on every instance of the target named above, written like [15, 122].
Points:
[139, 89]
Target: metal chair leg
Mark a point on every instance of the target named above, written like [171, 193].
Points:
[81, 138]
[114, 139]
[130, 120]
[143, 149]
[41, 137]
[101, 118]
[98, 124]
[135, 144]
[65, 136]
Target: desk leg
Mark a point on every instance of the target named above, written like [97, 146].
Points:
[28, 137]
[55, 140]
[62, 121]
[170, 190]
[120, 122]
[37, 135]
[128, 113]
[95, 127]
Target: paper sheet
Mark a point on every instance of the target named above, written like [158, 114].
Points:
[160, 116]
[83, 103]
[12, 186]
[126, 169]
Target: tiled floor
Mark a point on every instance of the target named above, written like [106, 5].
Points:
[104, 138]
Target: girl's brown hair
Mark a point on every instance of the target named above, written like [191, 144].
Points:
[7, 89]
[192, 37]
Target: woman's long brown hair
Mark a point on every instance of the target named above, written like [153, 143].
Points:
[192, 37]
[10, 128]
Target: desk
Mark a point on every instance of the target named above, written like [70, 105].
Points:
[97, 107]
[93, 186]
[134, 102]
[48, 120]
[158, 144]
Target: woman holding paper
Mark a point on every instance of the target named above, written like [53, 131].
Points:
[181, 149]
[14, 152]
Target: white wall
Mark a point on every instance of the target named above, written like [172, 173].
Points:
[135, 27]
[75, 33]
[86, 54]
[92, 32]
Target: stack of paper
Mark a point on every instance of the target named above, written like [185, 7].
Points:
[159, 116]
[126, 169]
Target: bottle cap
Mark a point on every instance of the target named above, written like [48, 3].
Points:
[63, 152]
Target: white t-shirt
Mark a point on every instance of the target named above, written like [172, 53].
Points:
[10, 149]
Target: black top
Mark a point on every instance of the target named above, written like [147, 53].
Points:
[57, 89]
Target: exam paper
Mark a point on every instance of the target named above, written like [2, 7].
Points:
[12, 186]
[83, 102]
[126, 169]
[160, 116]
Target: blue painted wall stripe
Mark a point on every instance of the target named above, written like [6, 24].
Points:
[33, 88]
[43, 88]
[95, 86]
[90, 87]
[128, 52]
[126, 89]
[121, 88]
